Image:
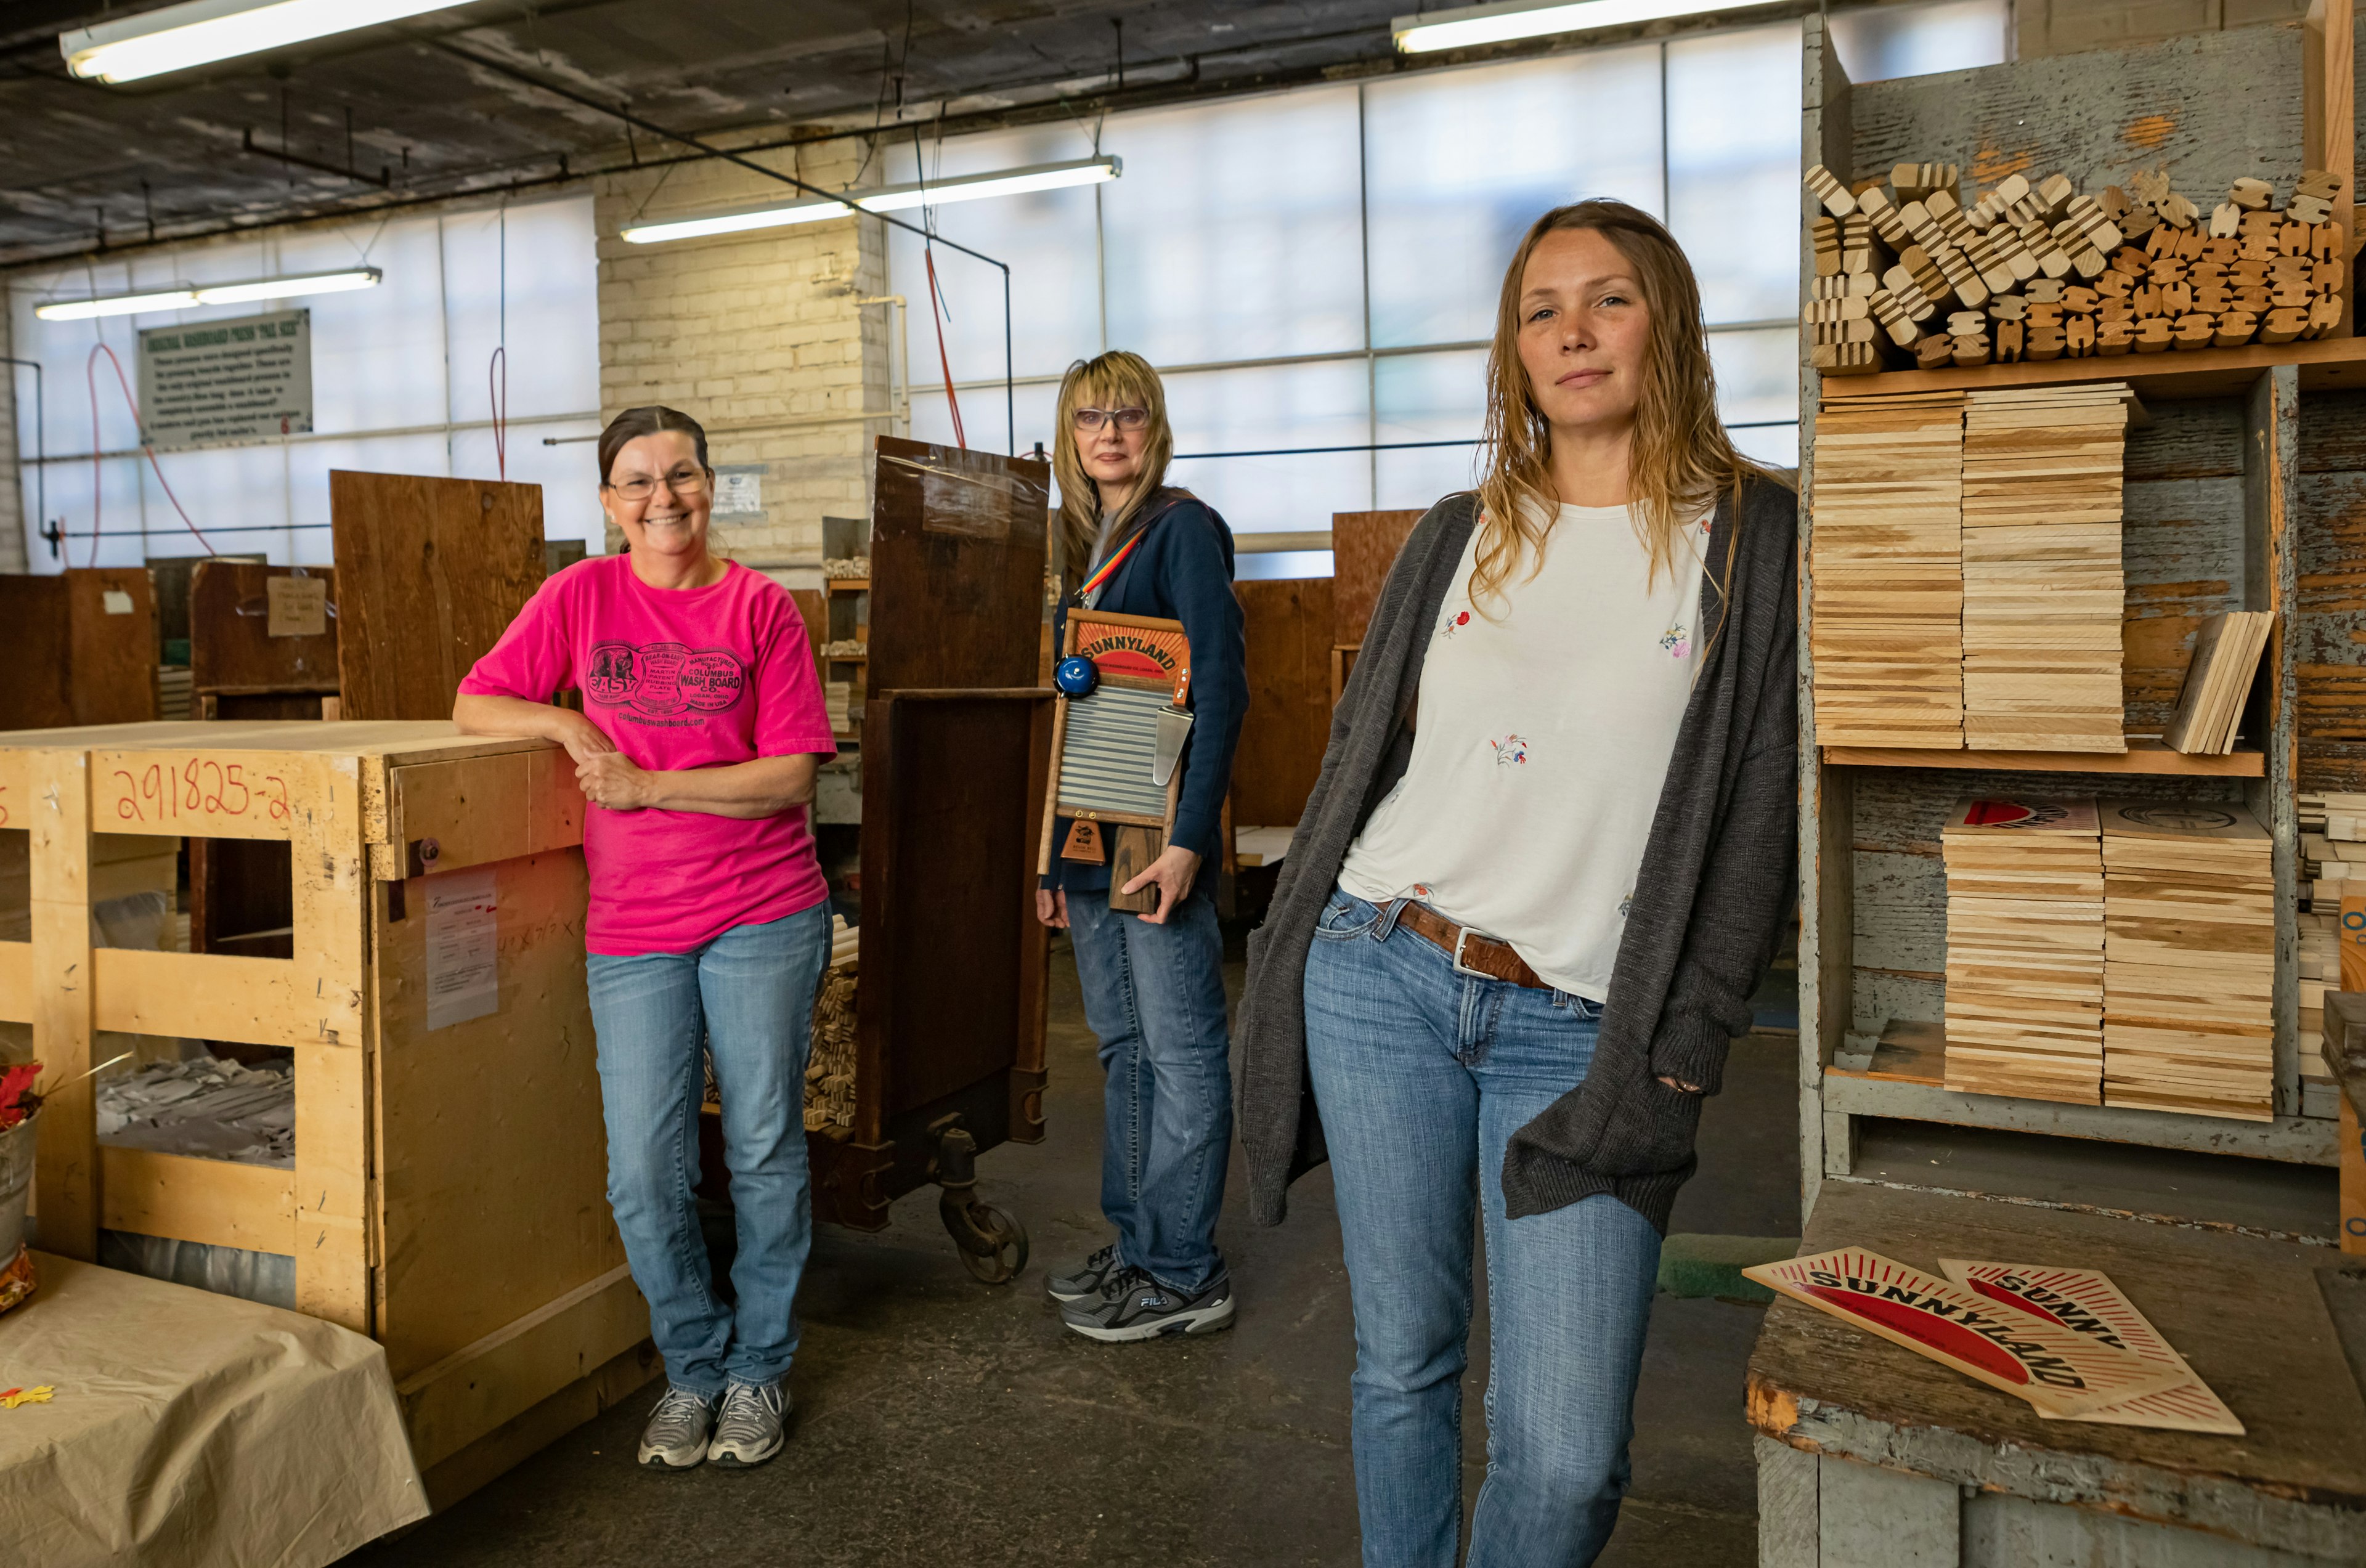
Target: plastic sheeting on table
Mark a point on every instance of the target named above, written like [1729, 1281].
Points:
[190, 1430]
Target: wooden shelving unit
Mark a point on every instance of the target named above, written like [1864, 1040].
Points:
[2240, 490]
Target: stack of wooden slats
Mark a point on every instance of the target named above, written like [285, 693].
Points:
[2043, 586]
[2189, 959]
[2032, 270]
[1887, 636]
[2024, 949]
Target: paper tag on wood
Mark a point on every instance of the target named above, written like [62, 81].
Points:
[2085, 1301]
[1084, 844]
[115, 602]
[300, 606]
[2060, 1373]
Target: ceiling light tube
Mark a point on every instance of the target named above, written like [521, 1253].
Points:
[887, 199]
[187, 297]
[1471, 26]
[201, 32]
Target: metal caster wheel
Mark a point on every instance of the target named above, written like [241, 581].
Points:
[993, 1245]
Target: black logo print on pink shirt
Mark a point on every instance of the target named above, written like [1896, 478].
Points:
[664, 677]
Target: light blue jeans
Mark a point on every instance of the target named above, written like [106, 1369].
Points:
[747, 997]
[1421, 1074]
[1155, 996]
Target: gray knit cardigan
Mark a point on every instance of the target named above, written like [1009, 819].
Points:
[1716, 883]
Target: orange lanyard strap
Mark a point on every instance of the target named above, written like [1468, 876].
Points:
[1107, 567]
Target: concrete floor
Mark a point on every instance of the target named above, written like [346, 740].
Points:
[942, 1420]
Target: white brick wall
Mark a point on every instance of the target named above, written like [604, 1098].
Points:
[757, 336]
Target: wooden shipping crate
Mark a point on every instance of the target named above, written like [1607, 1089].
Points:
[449, 1195]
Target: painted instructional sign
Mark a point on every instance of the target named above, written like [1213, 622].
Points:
[213, 382]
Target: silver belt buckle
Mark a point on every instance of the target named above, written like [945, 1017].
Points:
[1461, 936]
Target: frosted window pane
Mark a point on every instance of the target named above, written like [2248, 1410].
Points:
[1428, 396]
[1045, 237]
[1234, 233]
[1458, 164]
[1776, 446]
[553, 309]
[1265, 566]
[1757, 375]
[1879, 42]
[378, 354]
[984, 419]
[568, 474]
[1733, 168]
[1269, 407]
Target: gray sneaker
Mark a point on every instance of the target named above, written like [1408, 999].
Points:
[1131, 1305]
[749, 1430]
[675, 1437]
[1085, 1280]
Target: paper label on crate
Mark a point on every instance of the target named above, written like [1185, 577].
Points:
[2059, 1371]
[2085, 1301]
[298, 606]
[115, 602]
[463, 934]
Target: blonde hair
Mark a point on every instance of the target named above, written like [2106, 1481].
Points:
[1116, 379]
[1680, 456]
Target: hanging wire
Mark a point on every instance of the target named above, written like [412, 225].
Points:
[97, 520]
[939, 312]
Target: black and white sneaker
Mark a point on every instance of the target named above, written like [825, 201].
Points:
[1131, 1305]
[1086, 1278]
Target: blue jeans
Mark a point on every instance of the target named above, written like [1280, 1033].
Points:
[1155, 996]
[748, 996]
[1421, 1074]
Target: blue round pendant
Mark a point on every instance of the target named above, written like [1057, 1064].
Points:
[1077, 675]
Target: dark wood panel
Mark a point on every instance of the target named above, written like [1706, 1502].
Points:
[231, 646]
[430, 571]
[1364, 544]
[1289, 625]
[74, 660]
[37, 693]
[957, 551]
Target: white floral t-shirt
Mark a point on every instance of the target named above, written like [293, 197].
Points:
[1547, 720]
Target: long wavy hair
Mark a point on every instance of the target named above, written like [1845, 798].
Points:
[1114, 380]
[1680, 456]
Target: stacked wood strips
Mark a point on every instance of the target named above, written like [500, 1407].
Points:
[2188, 952]
[1887, 636]
[2043, 586]
[1912, 276]
[2025, 949]
[830, 1069]
[2218, 682]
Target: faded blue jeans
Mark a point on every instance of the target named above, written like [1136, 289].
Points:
[748, 996]
[1155, 996]
[1421, 1074]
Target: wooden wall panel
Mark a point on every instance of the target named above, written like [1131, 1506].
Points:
[77, 662]
[1289, 626]
[2329, 620]
[230, 648]
[1364, 544]
[2181, 547]
[429, 572]
[957, 550]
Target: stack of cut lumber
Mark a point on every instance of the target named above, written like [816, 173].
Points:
[2189, 959]
[829, 1070]
[2043, 587]
[1887, 636]
[2024, 949]
[2218, 682]
[1912, 276]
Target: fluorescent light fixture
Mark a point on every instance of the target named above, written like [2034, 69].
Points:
[1471, 26]
[186, 296]
[887, 199]
[201, 32]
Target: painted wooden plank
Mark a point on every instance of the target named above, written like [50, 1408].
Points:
[65, 1173]
[2270, 476]
[217, 1201]
[2329, 610]
[2015, 1532]
[1869, 1517]
[1881, 997]
[1786, 1505]
[1902, 911]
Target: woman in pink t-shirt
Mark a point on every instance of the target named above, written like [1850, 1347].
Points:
[701, 727]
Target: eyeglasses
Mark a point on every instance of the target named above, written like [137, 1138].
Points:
[681, 481]
[1090, 419]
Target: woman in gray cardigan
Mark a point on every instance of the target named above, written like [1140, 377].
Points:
[1543, 870]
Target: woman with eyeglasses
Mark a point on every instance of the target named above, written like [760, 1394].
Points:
[702, 729]
[1153, 983]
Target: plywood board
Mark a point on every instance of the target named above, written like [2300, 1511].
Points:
[430, 574]
[1364, 545]
[1288, 623]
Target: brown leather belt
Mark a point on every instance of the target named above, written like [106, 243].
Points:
[1469, 951]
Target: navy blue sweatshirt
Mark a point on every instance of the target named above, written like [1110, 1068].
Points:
[1182, 570]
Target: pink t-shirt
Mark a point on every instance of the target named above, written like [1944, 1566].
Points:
[679, 679]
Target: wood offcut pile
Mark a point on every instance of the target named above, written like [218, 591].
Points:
[1967, 590]
[1908, 276]
[2113, 954]
[2189, 959]
[830, 1067]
